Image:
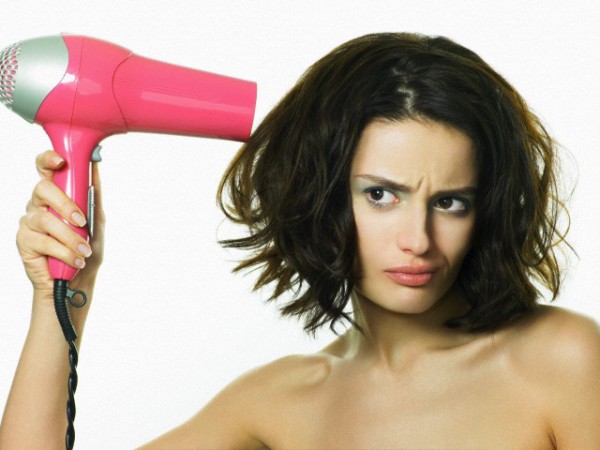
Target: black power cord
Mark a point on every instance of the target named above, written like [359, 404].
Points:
[62, 294]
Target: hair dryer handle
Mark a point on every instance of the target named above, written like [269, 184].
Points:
[76, 146]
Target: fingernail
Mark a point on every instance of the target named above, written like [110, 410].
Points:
[78, 219]
[85, 250]
[79, 263]
[57, 160]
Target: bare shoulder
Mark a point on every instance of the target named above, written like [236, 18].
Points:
[289, 373]
[264, 386]
[558, 352]
[277, 395]
[558, 336]
[248, 410]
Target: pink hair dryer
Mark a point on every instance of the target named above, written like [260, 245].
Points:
[82, 89]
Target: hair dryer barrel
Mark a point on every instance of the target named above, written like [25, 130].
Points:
[159, 97]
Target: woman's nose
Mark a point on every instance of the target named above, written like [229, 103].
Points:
[414, 236]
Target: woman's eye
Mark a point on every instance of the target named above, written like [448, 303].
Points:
[450, 204]
[380, 197]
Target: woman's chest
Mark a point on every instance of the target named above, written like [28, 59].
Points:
[428, 410]
[436, 422]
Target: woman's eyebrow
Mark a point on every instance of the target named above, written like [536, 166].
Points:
[399, 187]
[384, 182]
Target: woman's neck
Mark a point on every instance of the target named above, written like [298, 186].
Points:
[392, 339]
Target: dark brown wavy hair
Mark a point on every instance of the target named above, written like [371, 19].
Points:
[289, 184]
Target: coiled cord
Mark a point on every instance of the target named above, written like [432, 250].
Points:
[62, 294]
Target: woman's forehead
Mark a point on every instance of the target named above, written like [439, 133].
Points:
[411, 150]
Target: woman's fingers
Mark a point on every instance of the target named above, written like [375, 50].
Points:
[35, 245]
[47, 194]
[42, 233]
[47, 163]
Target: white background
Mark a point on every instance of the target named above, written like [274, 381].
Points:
[170, 325]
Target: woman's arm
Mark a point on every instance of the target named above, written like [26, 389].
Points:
[35, 412]
[229, 420]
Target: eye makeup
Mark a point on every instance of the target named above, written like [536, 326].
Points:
[455, 205]
[380, 197]
[383, 193]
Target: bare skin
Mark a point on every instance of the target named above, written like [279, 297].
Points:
[407, 382]
[34, 416]
[487, 393]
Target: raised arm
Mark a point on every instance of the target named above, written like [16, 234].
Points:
[34, 415]
[35, 412]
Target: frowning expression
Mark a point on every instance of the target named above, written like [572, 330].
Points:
[413, 187]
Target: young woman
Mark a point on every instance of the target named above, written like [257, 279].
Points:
[404, 188]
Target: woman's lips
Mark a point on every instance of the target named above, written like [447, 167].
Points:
[411, 276]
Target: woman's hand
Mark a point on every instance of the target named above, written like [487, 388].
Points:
[42, 234]
[34, 416]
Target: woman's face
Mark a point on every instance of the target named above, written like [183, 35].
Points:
[413, 187]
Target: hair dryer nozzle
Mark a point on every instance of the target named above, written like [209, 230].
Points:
[29, 70]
